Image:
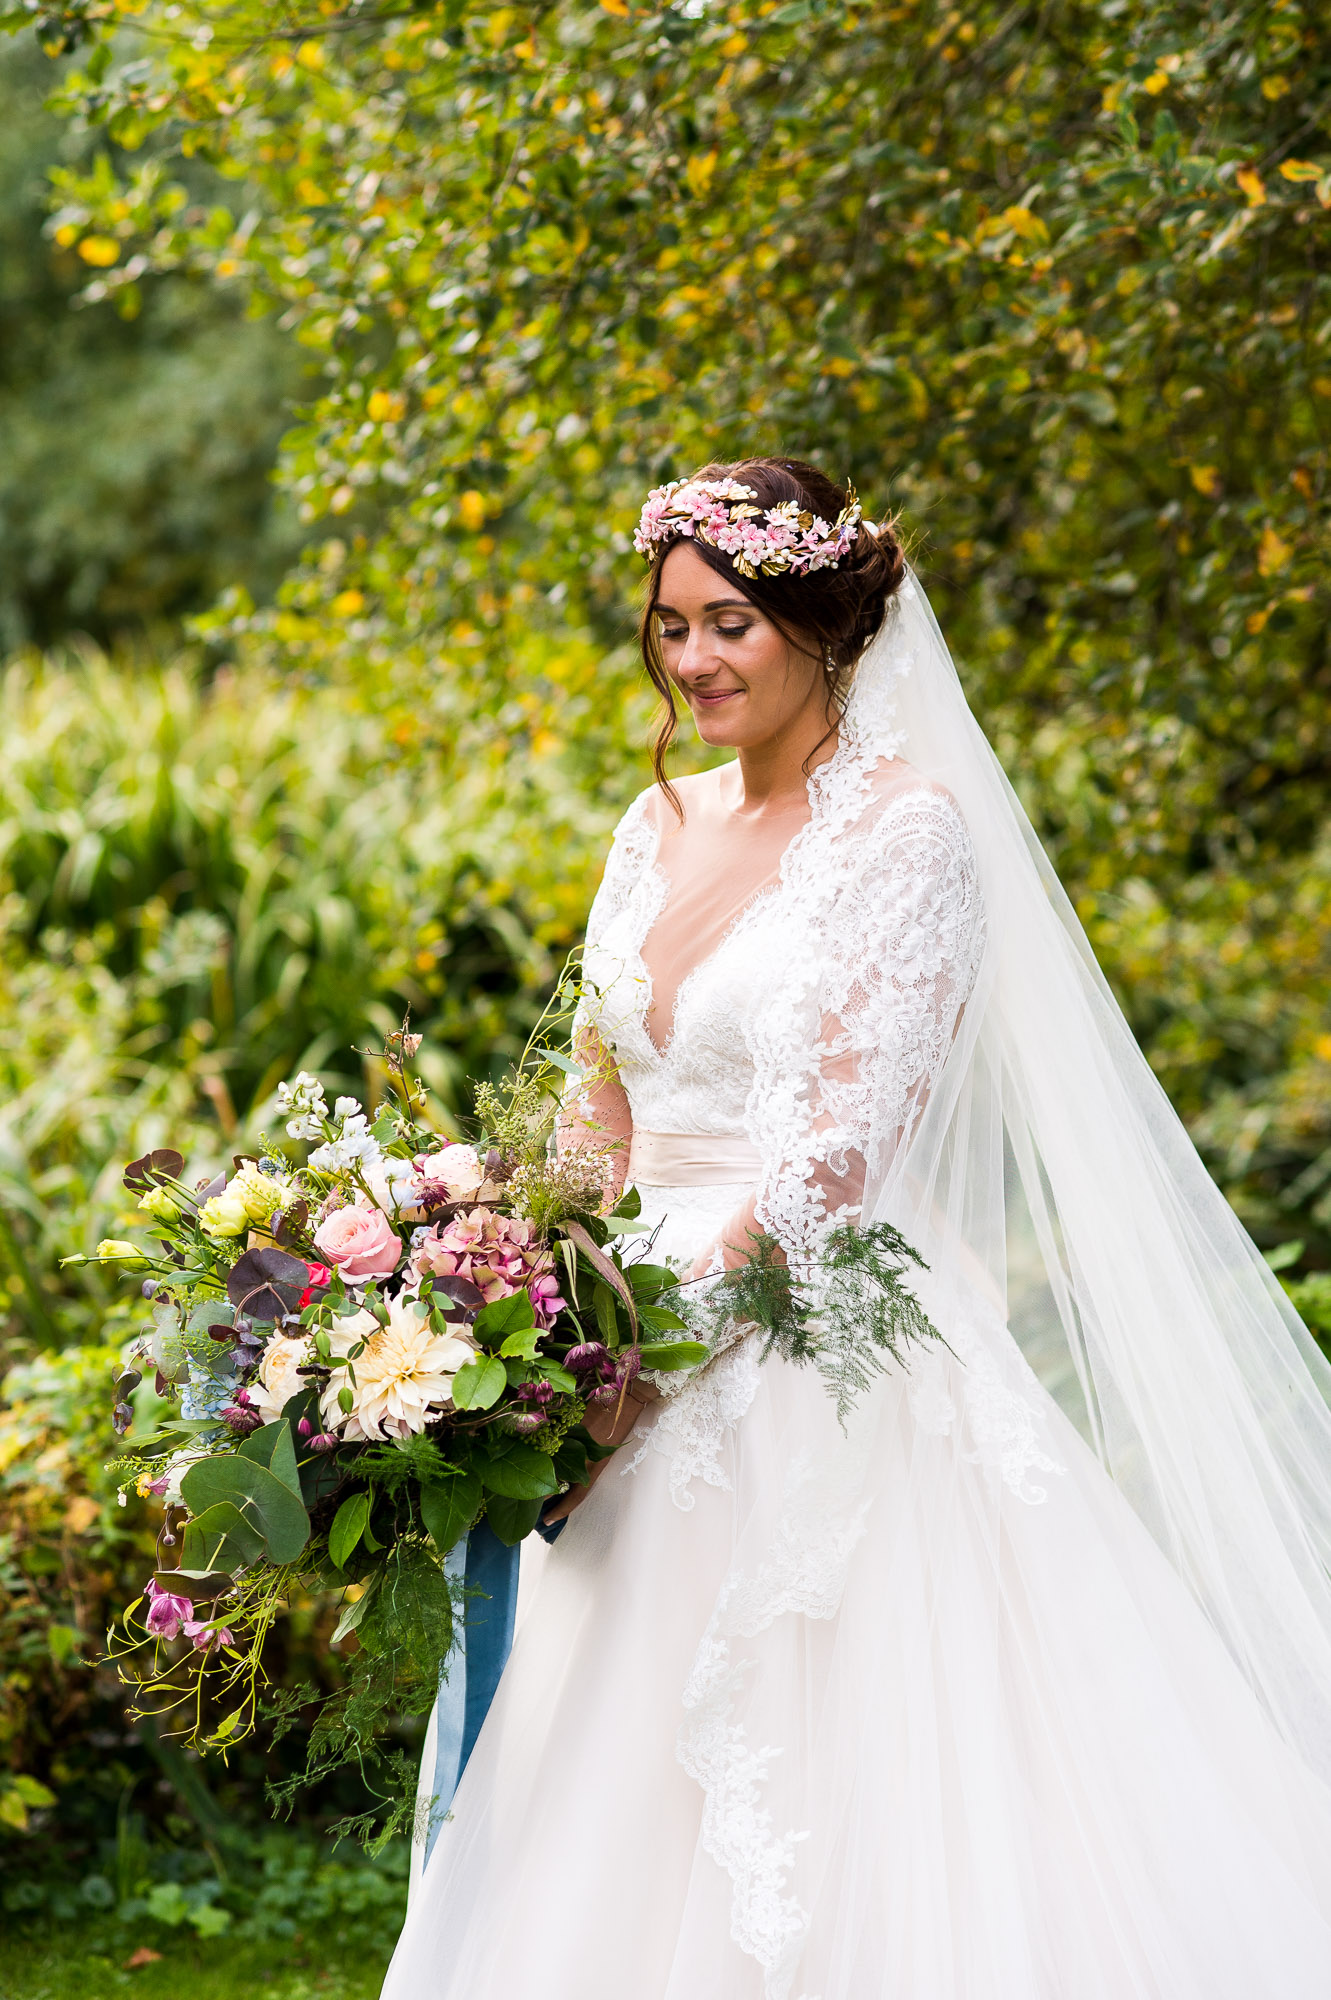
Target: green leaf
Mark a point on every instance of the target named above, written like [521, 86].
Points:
[349, 1525]
[274, 1447]
[503, 1316]
[270, 1507]
[478, 1385]
[604, 1301]
[670, 1354]
[627, 1209]
[651, 1278]
[448, 1508]
[557, 1377]
[558, 1061]
[520, 1472]
[521, 1344]
[660, 1319]
[353, 1613]
[220, 1537]
[512, 1520]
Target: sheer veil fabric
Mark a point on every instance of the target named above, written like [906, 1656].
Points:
[1019, 1687]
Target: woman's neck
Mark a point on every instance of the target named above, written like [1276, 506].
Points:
[773, 776]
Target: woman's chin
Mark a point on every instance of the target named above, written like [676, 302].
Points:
[721, 726]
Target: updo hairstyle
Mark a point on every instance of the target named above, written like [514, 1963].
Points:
[829, 614]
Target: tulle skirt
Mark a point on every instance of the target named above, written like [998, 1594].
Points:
[913, 1711]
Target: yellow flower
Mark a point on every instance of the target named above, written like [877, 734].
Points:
[260, 1193]
[115, 1250]
[224, 1215]
[160, 1201]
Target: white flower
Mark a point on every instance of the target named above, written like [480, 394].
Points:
[278, 1380]
[389, 1181]
[403, 1372]
[355, 1144]
[458, 1168]
[305, 1100]
[347, 1107]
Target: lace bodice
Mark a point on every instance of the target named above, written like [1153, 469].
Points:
[818, 1024]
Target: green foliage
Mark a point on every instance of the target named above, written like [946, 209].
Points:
[1016, 281]
[205, 887]
[849, 1316]
[136, 435]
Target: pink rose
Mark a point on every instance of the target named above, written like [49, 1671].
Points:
[361, 1242]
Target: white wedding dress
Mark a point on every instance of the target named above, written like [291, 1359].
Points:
[920, 1710]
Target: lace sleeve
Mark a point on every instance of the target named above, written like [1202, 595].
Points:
[846, 1055]
[595, 1113]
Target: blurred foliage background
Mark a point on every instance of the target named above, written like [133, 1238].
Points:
[337, 348]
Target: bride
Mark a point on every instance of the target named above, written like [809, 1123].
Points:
[1018, 1686]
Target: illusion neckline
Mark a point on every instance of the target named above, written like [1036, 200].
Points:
[822, 795]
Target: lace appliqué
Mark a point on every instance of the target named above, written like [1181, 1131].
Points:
[803, 1575]
[693, 1425]
[1005, 1428]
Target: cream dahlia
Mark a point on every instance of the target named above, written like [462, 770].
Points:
[402, 1374]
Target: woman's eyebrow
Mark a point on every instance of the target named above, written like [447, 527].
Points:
[717, 604]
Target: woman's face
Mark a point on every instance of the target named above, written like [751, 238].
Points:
[745, 684]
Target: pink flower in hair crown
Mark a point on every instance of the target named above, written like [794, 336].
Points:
[775, 541]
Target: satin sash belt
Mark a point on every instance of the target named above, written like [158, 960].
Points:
[692, 1159]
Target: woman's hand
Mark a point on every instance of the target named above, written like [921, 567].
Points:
[608, 1426]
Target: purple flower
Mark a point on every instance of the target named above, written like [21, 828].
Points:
[586, 1358]
[528, 1421]
[167, 1614]
[241, 1416]
[204, 1638]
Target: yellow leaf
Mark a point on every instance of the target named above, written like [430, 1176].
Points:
[1206, 478]
[471, 509]
[13, 1812]
[1253, 186]
[1112, 95]
[616, 7]
[67, 234]
[310, 55]
[99, 250]
[1156, 82]
[1273, 553]
[1026, 224]
[735, 46]
[1274, 87]
[1322, 1047]
[348, 602]
[1256, 620]
[1300, 170]
[699, 170]
[384, 407]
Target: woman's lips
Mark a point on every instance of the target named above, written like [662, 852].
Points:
[715, 697]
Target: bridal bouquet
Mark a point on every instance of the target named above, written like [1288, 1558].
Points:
[371, 1349]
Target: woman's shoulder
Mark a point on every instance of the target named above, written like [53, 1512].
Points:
[905, 802]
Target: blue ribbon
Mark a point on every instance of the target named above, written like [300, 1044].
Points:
[488, 1570]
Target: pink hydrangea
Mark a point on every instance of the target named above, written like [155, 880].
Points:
[500, 1254]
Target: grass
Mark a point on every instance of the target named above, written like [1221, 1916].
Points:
[35, 1966]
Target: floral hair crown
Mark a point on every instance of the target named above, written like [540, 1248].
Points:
[772, 541]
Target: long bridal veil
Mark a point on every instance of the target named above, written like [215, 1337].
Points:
[1048, 1170]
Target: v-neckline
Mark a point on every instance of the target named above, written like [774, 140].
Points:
[768, 891]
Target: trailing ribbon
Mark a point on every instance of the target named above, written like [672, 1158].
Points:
[488, 1570]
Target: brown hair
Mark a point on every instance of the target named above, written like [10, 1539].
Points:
[831, 614]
